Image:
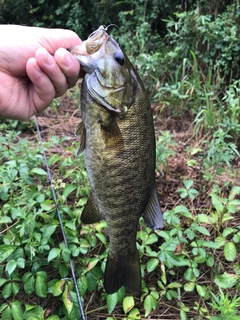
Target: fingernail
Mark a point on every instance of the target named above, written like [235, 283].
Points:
[67, 60]
[48, 59]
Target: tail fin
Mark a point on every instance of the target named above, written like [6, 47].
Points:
[123, 271]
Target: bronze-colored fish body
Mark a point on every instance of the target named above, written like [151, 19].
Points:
[117, 133]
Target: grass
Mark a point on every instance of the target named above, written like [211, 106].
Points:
[190, 269]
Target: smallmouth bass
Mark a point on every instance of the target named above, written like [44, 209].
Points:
[117, 134]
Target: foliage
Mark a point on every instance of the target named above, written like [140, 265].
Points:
[226, 307]
[188, 59]
[30, 240]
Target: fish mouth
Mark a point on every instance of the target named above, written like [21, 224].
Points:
[94, 42]
[89, 50]
[96, 39]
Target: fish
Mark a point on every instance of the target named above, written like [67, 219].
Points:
[118, 138]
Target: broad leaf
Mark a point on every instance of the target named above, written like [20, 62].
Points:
[112, 300]
[11, 266]
[5, 251]
[152, 264]
[128, 304]
[149, 304]
[38, 171]
[67, 300]
[53, 253]
[40, 284]
[230, 251]
[226, 280]
[17, 311]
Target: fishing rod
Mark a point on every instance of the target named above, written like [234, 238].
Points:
[60, 220]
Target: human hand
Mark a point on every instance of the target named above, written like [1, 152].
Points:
[35, 67]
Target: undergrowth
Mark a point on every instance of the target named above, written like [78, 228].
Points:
[190, 267]
[197, 251]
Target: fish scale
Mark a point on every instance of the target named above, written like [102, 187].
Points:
[117, 134]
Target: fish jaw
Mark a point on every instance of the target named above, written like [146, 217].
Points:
[81, 54]
[91, 49]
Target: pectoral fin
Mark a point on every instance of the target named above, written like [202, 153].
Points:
[112, 136]
[91, 213]
[81, 131]
[153, 213]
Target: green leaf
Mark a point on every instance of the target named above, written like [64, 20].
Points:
[134, 314]
[210, 260]
[152, 264]
[2, 307]
[5, 219]
[39, 171]
[67, 300]
[227, 231]
[230, 251]
[201, 290]
[204, 218]
[2, 281]
[40, 284]
[67, 190]
[66, 253]
[188, 183]
[53, 253]
[183, 211]
[174, 285]
[220, 241]
[11, 266]
[217, 203]
[15, 288]
[47, 205]
[183, 315]
[101, 237]
[29, 284]
[21, 263]
[128, 304]
[226, 280]
[58, 287]
[7, 290]
[82, 285]
[149, 304]
[48, 231]
[7, 314]
[211, 244]
[188, 275]
[189, 286]
[235, 191]
[112, 300]
[5, 251]
[53, 317]
[17, 311]
[202, 230]
[152, 238]
[92, 263]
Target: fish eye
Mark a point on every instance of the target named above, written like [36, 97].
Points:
[119, 57]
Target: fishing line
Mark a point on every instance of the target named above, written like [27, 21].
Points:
[60, 220]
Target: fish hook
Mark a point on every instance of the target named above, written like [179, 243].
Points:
[105, 28]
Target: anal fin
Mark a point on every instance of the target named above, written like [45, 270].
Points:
[91, 213]
[153, 214]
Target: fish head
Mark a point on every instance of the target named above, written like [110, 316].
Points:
[108, 71]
